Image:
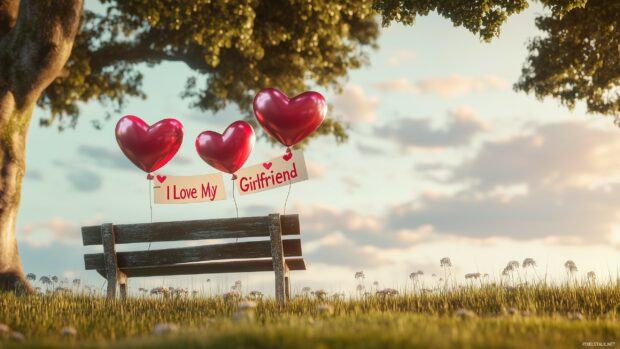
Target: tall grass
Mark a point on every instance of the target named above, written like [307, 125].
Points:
[502, 314]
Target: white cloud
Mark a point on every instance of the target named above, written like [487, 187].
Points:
[448, 87]
[354, 105]
[54, 230]
[315, 170]
[397, 85]
[560, 182]
[399, 57]
[45, 233]
[463, 125]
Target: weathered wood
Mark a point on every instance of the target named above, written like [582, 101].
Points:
[277, 255]
[109, 258]
[122, 284]
[287, 282]
[247, 256]
[192, 230]
[239, 250]
[247, 266]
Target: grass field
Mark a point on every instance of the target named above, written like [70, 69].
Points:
[471, 317]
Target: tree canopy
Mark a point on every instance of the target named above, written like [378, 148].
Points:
[238, 47]
[578, 57]
[235, 47]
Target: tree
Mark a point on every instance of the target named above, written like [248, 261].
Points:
[233, 47]
[576, 59]
[36, 38]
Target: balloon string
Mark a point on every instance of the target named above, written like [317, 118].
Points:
[235, 201]
[150, 207]
[287, 194]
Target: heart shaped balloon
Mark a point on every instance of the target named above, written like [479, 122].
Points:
[228, 151]
[289, 121]
[149, 147]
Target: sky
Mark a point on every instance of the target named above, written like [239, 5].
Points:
[444, 159]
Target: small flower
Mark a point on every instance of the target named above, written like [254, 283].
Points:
[464, 314]
[529, 262]
[325, 309]
[255, 295]
[387, 292]
[306, 289]
[157, 290]
[320, 294]
[338, 296]
[17, 336]
[472, 276]
[591, 276]
[231, 296]
[245, 311]
[360, 288]
[4, 329]
[513, 264]
[569, 265]
[376, 283]
[68, 331]
[445, 262]
[247, 305]
[576, 316]
[165, 328]
[360, 275]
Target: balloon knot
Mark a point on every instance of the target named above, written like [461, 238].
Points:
[150, 176]
[234, 176]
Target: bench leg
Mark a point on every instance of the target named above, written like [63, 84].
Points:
[277, 254]
[287, 284]
[122, 284]
[111, 294]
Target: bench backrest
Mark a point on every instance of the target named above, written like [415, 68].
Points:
[158, 262]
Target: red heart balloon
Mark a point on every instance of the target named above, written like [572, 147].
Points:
[289, 121]
[228, 151]
[149, 147]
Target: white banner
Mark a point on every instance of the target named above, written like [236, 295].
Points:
[277, 172]
[188, 189]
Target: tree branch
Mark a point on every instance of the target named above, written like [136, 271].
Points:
[131, 53]
[36, 49]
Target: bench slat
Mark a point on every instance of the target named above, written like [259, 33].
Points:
[239, 250]
[192, 230]
[212, 268]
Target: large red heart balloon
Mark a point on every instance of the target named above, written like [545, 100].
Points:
[149, 147]
[289, 121]
[228, 151]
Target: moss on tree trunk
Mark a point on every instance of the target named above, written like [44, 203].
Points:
[13, 131]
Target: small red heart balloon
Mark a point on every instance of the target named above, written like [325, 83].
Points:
[149, 147]
[228, 151]
[289, 121]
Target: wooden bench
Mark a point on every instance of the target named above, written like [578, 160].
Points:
[267, 251]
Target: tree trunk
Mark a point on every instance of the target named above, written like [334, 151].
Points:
[36, 38]
[13, 129]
